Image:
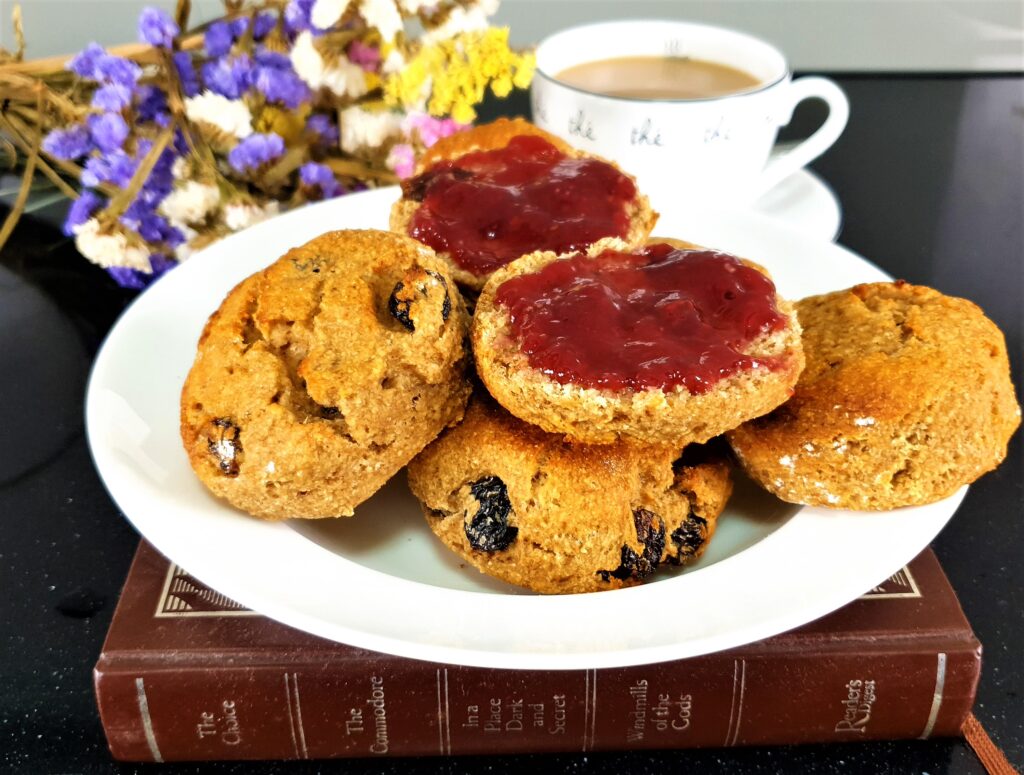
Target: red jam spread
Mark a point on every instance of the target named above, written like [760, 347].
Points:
[489, 207]
[657, 318]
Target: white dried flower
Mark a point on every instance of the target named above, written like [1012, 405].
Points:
[239, 215]
[461, 19]
[383, 15]
[184, 251]
[363, 128]
[325, 13]
[231, 116]
[179, 169]
[109, 250]
[393, 62]
[344, 78]
[189, 202]
[412, 6]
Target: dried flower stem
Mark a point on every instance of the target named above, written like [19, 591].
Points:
[357, 169]
[26, 179]
[119, 203]
[18, 138]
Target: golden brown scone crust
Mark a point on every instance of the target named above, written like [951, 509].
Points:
[488, 137]
[556, 517]
[309, 390]
[906, 397]
[675, 417]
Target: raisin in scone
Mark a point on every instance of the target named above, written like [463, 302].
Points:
[906, 397]
[484, 197]
[666, 344]
[526, 507]
[321, 376]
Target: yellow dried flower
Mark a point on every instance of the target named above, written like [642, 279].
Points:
[457, 72]
[289, 124]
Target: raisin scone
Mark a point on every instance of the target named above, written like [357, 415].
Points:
[906, 397]
[321, 376]
[484, 197]
[665, 344]
[529, 508]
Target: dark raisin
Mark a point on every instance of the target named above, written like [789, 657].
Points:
[399, 304]
[329, 412]
[404, 295]
[489, 530]
[690, 536]
[225, 444]
[650, 532]
[446, 305]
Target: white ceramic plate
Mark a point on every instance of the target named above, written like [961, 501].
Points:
[382, 581]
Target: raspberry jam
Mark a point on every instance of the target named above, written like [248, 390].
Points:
[657, 318]
[490, 207]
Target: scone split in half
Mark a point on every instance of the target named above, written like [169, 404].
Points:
[484, 197]
[660, 345]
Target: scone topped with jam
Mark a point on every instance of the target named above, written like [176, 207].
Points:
[321, 376]
[523, 506]
[906, 397]
[665, 344]
[484, 197]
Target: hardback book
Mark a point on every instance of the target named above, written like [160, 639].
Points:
[187, 674]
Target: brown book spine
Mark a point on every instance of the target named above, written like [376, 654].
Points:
[323, 705]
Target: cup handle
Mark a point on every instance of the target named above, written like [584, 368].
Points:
[785, 164]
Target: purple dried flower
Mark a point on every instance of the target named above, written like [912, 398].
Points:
[112, 69]
[70, 144]
[255, 151]
[239, 26]
[181, 144]
[81, 210]
[319, 176]
[129, 278]
[297, 16]
[107, 130]
[218, 39]
[265, 22]
[114, 96]
[186, 73]
[269, 58]
[157, 28]
[281, 85]
[117, 168]
[84, 62]
[152, 105]
[229, 76]
[156, 229]
[323, 129]
[136, 280]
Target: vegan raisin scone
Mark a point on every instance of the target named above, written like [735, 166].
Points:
[906, 397]
[321, 376]
[484, 197]
[526, 507]
[665, 344]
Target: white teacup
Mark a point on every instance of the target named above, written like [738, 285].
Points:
[717, 149]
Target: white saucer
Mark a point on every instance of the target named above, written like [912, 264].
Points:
[804, 202]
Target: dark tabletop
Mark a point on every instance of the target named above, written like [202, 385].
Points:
[930, 173]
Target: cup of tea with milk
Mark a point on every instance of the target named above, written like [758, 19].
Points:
[690, 109]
